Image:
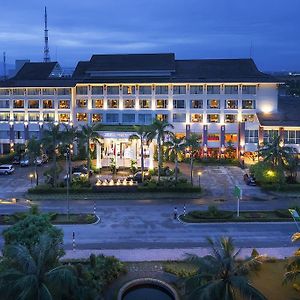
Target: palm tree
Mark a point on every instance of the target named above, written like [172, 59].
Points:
[193, 145]
[159, 130]
[220, 276]
[35, 273]
[141, 133]
[51, 139]
[34, 150]
[90, 135]
[175, 147]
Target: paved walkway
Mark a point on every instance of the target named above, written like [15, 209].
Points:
[135, 255]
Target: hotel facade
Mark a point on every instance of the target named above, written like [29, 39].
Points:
[221, 100]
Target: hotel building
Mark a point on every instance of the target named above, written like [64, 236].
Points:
[221, 100]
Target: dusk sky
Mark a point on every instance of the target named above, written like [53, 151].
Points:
[190, 29]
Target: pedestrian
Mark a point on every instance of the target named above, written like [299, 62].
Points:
[175, 213]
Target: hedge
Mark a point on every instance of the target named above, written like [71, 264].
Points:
[295, 187]
[7, 158]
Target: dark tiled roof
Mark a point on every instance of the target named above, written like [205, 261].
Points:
[288, 113]
[35, 71]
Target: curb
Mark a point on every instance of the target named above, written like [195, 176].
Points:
[97, 221]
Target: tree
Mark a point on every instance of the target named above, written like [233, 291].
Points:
[90, 135]
[141, 135]
[159, 130]
[51, 139]
[35, 273]
[34, 150]
[175, 147]
[221, 276]
[193, 145]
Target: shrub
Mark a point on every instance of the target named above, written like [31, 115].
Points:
[266, 174]
[7, 158]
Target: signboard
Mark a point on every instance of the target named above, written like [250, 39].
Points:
[237, 191]
[294, 214]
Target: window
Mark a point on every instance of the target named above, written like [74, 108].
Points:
[196, 89]
[251, 136]
[213, 103]
[161, 103]
[248, 104]
[19, 92]
[4, 134]
[64, 118]
[196, 104]
[129, 103]
[4, 91]
[145, 118]
[81, 90]
[269, 135]
[231, 104]
[18, 103]
[19, 116]
[179, 89]
[113, 90]
[48, 117]
[33, 104]
[179, 117]
[81, 103]
[145, 103]
[64, 104]
[248, 118]
[81, 117]
[33, 91]
[231, 89]
[128, 118]
[230, 118]
[292, 136]
[196, 118]
[48, 91]
[97, 118]
[161, 89]
[178, 104]
[98, 103]
[19, 135]
[33, 117]
[64, 91]
[128, 89]
[33, 134]
[97, 90]
[4, 116]
[213, 137]
[112, 118]
[112, 103]
[4, 103]
[161, 117]
[249, 89]
[213, 89]
[145, 90]
[231, 138]
[48, 104]
[213, 118]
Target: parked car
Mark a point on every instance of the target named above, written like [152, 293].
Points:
[76, 175]
[250, 180]
[138, 177]
[16, 160]
[24, 162]
[38, 161]
[6, 169]
[81, 169]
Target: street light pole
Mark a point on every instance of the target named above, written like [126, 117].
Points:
[199, 176]
[68, 180]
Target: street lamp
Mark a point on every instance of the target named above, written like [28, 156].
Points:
[31, 177]
[67, 154]
[199, 176]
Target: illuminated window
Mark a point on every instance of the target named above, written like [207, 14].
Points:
[48, 117]
[64, 118]
[161, 89]
[112, 103]
[112, 118]
[129, 103]
[213, 137]
[145, 103]
[213, 103]
[231, 89]
[196, 89]
[81, 117]
[196, 118]
[248, 118]
[251, 136]
[249, 89]
[81, 103]
[213, 89]
[97, 118]
[231, 104]
[33, 117]
[64, 104]
[4, 116]
[179, 117]
[161, 103]
[128, 89]
[98, 103]
[48, 91]
[162, 117]
[196, 104]
[81, 90]
[213, 118]
[178, 104]
[113, 90]
[48, 104]
[97, 90]
[4, 103]
[230, 137]
[145, 90]
[18, 103]
[248, 104]
[33, 103]
[230, 118]
[179, 89]
[128, 118]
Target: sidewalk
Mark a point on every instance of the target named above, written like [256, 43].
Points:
[135, 255]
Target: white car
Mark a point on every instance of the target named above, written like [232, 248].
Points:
[39, 161]
[6, 169]
[76, 175]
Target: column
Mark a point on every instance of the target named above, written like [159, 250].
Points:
[222, 141]
[11, 137]
[151, 154]
[260, 136]
[98, 156]
[187, 130]
[26, 132]
[205, 130]
[241, 140]
[281, 134]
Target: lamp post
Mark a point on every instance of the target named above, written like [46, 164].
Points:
[199, 176]
[67, 154]
[31, 177]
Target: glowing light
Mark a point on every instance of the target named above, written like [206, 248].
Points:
[270, 173]
[267, 108]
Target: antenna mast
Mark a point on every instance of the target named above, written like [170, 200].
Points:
[46, 47]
